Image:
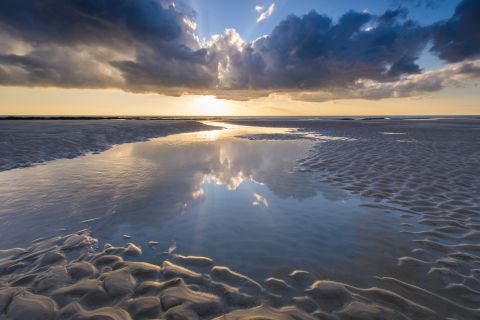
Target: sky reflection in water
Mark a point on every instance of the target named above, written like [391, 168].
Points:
[235, 200]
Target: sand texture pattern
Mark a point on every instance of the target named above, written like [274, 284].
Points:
[67, 277]
[24, 143]
[427, 169]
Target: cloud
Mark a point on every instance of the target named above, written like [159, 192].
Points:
[258, 8]
[452, 75]
[97, 43]
[265, 14]
[458, 38]
[312, 51]
[91, 21]
[430, 4]
[259, 200]
[151, 46]
[61, 66]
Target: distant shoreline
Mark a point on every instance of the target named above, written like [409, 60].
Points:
[105, 118]
[218, 118]
[27, 143]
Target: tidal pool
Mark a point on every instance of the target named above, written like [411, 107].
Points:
[235, 200]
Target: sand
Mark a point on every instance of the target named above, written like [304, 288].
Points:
[68, 277]
[24, 143]
[428, 171]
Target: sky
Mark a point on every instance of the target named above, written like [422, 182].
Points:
[225, 57]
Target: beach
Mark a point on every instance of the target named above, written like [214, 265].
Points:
[271, 218]
[239, 160]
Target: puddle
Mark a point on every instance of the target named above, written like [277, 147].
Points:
[236, 200]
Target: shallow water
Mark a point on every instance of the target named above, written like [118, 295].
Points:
[210, 193]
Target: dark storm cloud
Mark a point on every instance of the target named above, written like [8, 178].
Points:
[150, 41]
[90, 21]
[150, 45]
[312, 51]
[458, 38]
[431, 4]
[181, 67]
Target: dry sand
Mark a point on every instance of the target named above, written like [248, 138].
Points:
[67, 277]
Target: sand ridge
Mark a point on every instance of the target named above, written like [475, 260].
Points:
[68, 277]
[429, 171]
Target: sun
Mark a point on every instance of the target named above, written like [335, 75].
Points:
[211, 106]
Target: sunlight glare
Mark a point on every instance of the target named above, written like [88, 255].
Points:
[211, 106]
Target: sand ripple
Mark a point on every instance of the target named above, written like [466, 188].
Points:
[433, 180]
[66, 277]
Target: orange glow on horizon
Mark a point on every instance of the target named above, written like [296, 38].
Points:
[105, 102]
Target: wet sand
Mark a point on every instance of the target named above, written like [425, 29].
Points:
[429, 171]
[66, 277]
[24, 143]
